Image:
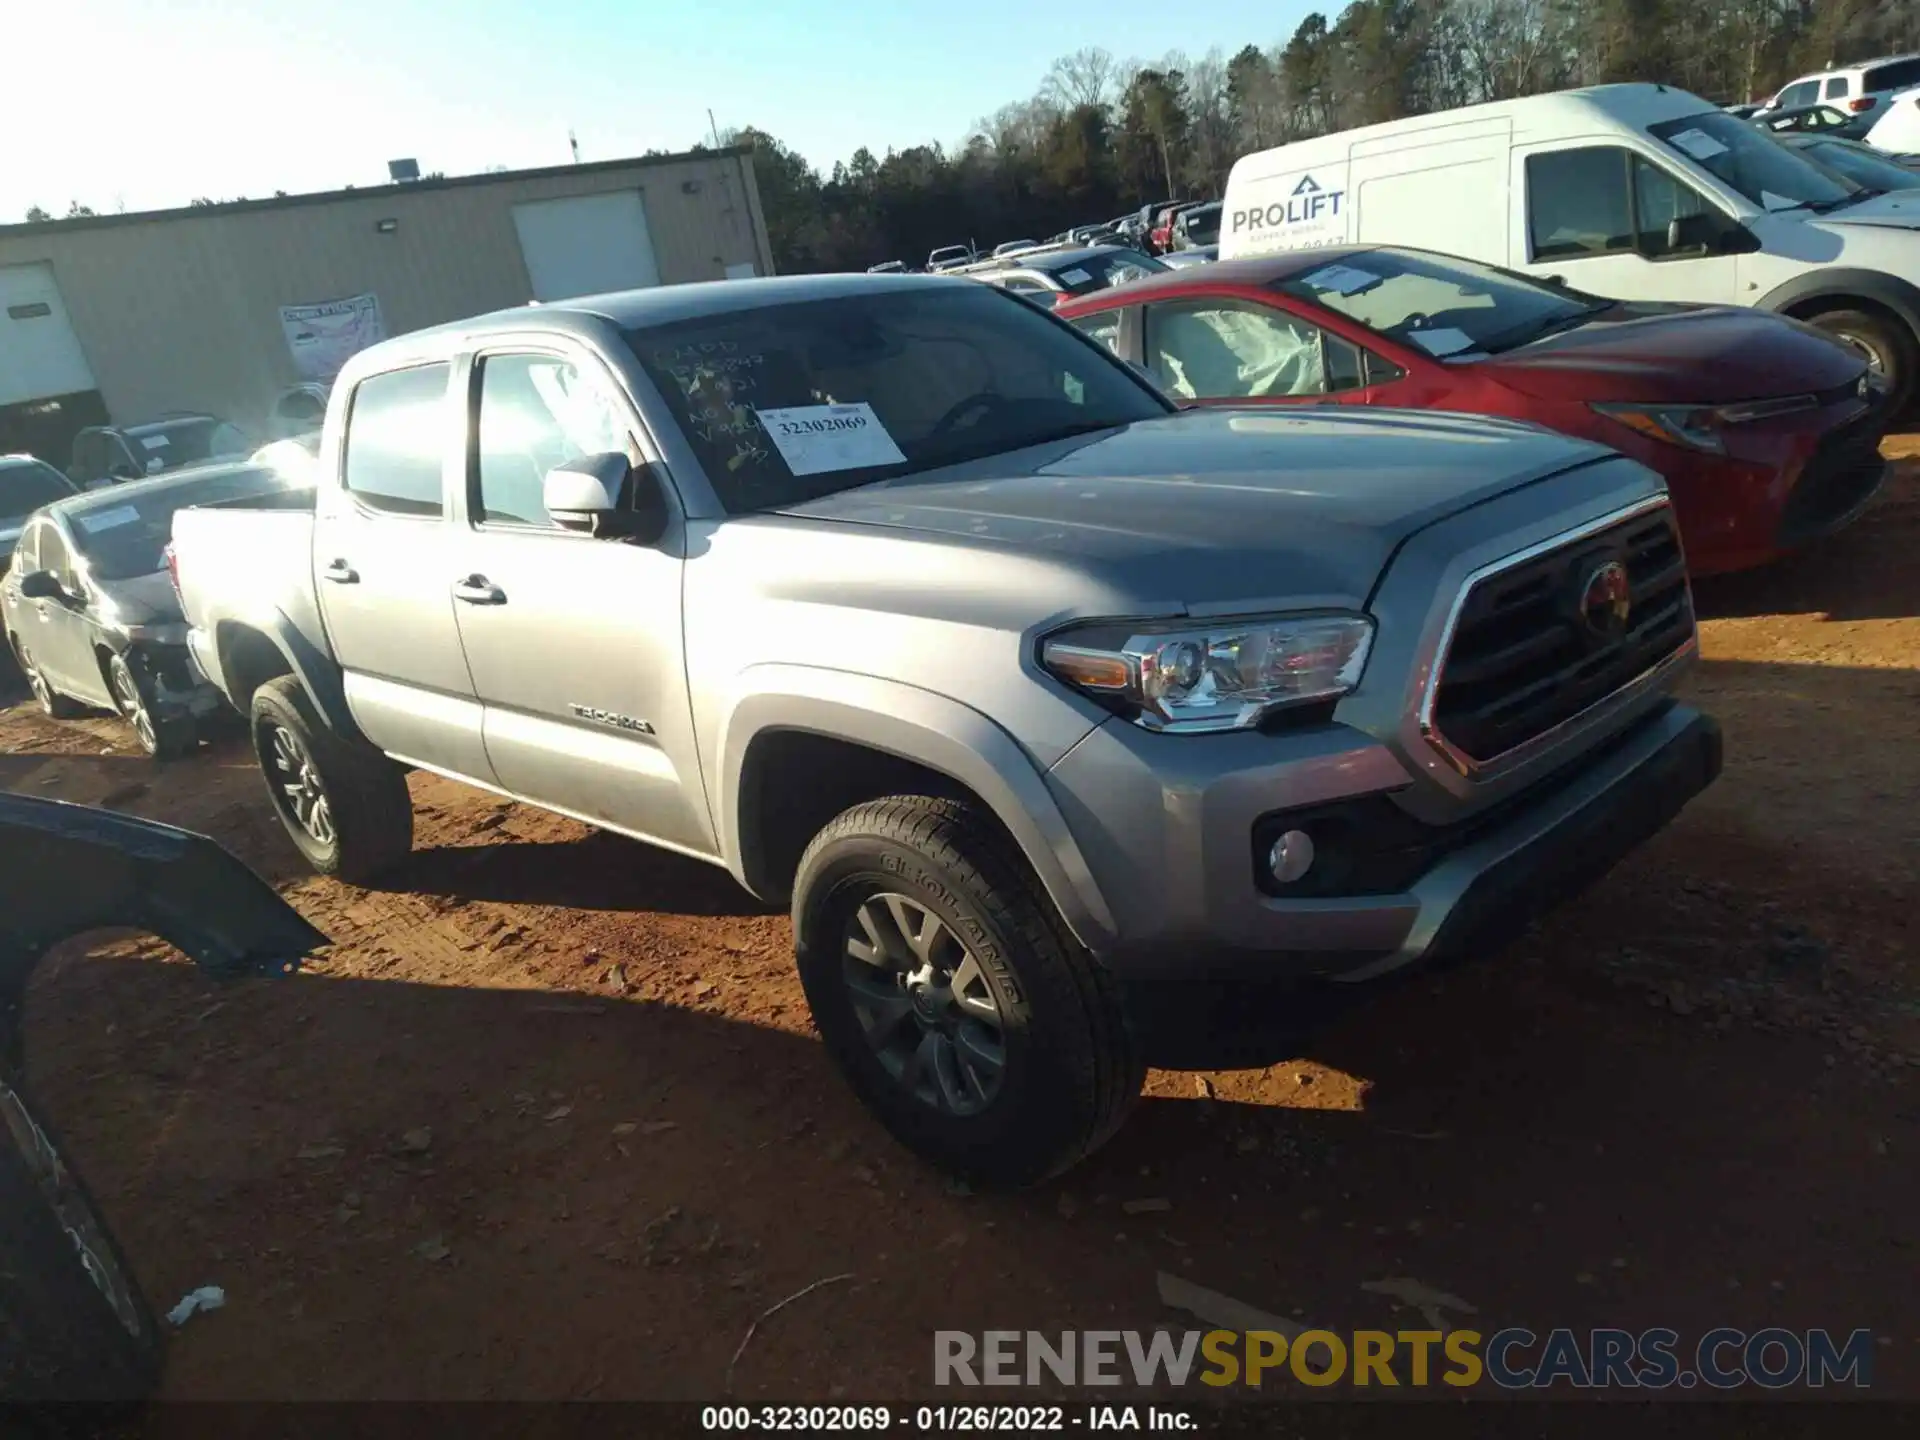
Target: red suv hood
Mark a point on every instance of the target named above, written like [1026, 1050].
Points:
[1678, 354]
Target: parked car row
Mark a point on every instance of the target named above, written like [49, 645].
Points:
[1639, 193]
[91, 617]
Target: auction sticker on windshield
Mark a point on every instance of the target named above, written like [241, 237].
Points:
[815, 439]
[1343, 279]
[1699, 144]
[93, 523]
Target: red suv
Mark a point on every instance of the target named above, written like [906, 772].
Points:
[1767, 431]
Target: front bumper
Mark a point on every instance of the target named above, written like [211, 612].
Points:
[1177, 850]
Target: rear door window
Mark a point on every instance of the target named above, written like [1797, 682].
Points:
[1837, 88]
[397, 439]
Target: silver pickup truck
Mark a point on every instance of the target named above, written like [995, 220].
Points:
[1035, 697]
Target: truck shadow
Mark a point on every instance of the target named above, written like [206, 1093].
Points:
[598, 872]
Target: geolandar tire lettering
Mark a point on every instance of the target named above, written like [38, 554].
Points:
[951, 996]
[345, 805]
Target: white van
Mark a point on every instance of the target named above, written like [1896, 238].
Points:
[1635, 192]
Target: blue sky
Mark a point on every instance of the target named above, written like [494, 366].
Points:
[138, 104]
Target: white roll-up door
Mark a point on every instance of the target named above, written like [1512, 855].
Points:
[586, 245]
[39, 353]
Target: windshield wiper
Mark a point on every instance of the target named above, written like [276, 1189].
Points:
[1868, 192]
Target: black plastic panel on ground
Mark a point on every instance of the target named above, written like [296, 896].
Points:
[1521, 662]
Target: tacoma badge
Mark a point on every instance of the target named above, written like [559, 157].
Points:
[607, 717]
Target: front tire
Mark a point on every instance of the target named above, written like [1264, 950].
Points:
[1888, 347]
[52, 703]
[344, 804]
[952, 997]
[162, 737]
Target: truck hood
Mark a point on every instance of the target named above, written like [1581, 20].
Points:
[1678, 354]
[1213, 507]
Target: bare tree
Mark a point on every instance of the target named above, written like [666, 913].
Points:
[1088, 76]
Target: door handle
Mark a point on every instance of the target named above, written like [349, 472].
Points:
[478, 590]
[341, 573]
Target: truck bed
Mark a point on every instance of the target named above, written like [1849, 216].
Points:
[248, 561]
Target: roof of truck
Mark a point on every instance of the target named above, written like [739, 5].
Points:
[666, 304]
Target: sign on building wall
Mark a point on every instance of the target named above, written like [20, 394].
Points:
[323, 337]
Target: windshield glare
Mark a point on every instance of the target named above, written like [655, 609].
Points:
[128, 537]
[916, 379]
[25, 488]
[1861, 167]
[1442, 306]
[1764, 169]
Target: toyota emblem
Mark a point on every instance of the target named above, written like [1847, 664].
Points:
[1606, 600]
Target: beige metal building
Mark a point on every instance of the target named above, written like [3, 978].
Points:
[221, 308]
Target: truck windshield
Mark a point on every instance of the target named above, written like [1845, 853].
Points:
[785, 403]
[1762, 168]
[1441, 305]
[26, 486]
[124, 532]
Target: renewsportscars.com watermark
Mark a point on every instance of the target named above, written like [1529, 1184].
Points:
[1510, 1359]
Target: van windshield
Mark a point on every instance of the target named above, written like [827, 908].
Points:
[1767, 172]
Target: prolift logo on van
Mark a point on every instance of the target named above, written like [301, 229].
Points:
[1310, 207]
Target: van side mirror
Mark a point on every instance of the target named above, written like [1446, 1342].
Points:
[41, 585]
[1708, 231]
[604, 496]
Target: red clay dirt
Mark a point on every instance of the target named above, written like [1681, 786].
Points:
[549, 1120]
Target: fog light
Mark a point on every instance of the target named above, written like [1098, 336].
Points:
[1291, 856]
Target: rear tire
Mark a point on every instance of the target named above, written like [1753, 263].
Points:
[975, 1027]
[344, 804]
[73, 1323]
[1889, 348]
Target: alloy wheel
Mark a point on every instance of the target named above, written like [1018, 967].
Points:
[296, 784]
[36, 682]
[924, 1005]
[133, 708]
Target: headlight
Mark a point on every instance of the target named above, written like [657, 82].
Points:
[1698, 426]
[1224, 675]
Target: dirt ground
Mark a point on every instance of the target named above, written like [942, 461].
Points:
[549, 1120]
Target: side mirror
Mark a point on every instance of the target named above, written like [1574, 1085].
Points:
[604, 496]
[1706, 231]
[41, 585]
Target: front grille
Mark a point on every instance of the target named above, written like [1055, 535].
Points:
[1838, 479]
[1520, 661]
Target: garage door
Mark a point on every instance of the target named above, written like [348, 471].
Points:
[39, 353]
[587, 245]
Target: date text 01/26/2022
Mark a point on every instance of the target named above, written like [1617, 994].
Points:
[1007, 1419]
